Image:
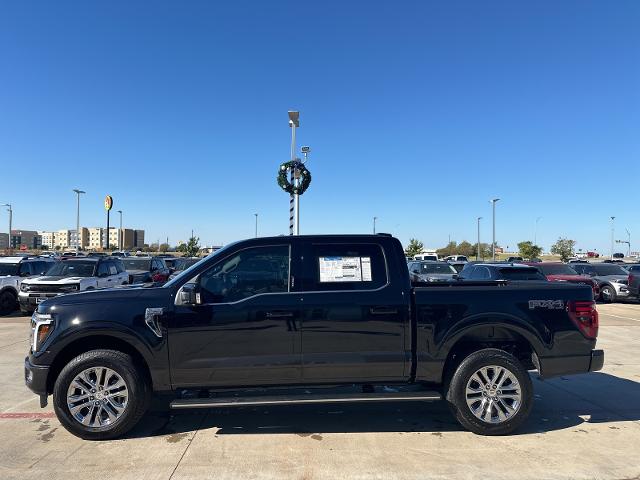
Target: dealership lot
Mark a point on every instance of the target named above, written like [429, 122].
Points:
[586, 426]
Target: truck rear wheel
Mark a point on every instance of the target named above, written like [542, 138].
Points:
[100, 395]
[491, 392]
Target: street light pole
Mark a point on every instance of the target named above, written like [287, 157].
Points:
[535, 233]
[628, 242]
[78, 193]
[256, 224]
[613, 228]
[120, 234]
[10, 223]
[478, 248]
[493, 246]
[374, 224]
[294, 199]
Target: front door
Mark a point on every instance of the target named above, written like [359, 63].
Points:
[244, 330]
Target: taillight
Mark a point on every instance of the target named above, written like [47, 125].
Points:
[585, 316]
[631, 278]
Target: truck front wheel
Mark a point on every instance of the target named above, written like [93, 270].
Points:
[100, 395]
[491, 392]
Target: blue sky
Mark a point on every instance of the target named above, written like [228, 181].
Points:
[417, 113]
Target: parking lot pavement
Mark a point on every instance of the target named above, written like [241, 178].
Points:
[581, 427]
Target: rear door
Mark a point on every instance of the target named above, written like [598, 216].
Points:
[355, 322]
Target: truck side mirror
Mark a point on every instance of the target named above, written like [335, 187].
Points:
[189, 294]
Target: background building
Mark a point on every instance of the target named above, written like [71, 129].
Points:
[4, 241]
[25, 239]
[61, 239]
[47, 239]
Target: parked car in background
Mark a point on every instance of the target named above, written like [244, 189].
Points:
[456, 258]
[501, 271]
[71, 275]
[146, 270]
[458, 266]
[120, 253]
[593, 255]
[13, 271]
[634, 280]
[182, 263]
[515, 259]
[426, 256]
[561, 272]
[428, 271]
[49, 254]
[612, 279]
[618, 255]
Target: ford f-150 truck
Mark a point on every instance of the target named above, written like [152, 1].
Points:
[303, 319]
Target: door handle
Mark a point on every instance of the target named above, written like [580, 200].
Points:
[279, 314]
[383, 311]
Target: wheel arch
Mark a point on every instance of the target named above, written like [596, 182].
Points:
[96, 342]
[512, 338]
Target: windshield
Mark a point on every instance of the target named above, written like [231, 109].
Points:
[608, 269]
[72, 269]
[437, 268]
[521, 274]
[557, 269]
[136, 263]
[184, 263]
[9, 269]
[188, 273]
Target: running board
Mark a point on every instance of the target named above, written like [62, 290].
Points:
[304, 399]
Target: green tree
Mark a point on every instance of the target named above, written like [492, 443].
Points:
[164, 247]
[466, 249]
[450, 249]
[191, 248]
[414, 248]
[563, 247]
[528, 250]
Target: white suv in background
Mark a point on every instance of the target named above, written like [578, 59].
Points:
[72, 275]
[12, 271]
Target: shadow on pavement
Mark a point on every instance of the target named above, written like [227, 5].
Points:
[559, 404]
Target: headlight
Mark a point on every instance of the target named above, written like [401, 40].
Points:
[24, 288]
[70, 288]
[41, 327]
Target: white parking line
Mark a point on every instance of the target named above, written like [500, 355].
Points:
[618, 316]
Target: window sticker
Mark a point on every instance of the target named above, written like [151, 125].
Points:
[345, 269]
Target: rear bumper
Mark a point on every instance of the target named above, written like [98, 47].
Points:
[555, 366]
[35, 377]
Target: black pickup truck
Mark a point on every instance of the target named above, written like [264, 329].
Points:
[328, 318]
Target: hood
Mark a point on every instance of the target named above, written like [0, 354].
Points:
[612, 278]
[93, 296]
[570, 278]
[54, 279]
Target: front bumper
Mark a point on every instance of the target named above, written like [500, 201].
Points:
[555, 366]
[31, 300]
[35, 377]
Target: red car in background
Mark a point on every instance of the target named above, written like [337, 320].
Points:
[561, 272]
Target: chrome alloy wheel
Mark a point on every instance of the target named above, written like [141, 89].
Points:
[97, 397]
[493, 394]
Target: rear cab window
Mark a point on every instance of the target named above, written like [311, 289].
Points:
[337, 267]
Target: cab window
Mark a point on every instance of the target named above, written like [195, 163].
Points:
[250, 272]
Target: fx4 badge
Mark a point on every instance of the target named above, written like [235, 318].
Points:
[548, 304]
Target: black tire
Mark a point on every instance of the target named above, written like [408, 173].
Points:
[8, 302]
[611, 296]
[457, 398]
[139, 393]
[26, 311]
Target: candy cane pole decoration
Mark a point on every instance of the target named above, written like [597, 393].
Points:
[294, 122]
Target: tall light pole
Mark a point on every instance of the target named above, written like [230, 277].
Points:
[613, 228]
[628, 242]
[478, 248]
[78, 193]
[256, 224]
[493, 246]
[120, 234]
[10, 222]
[294, 198]
[535, 233]
[374, 224]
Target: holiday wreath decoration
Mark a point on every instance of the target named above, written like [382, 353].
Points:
[284, 177]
